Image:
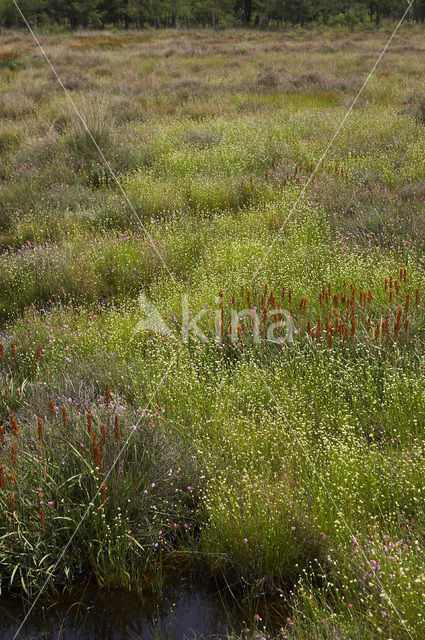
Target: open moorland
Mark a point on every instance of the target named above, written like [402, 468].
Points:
[213, 349]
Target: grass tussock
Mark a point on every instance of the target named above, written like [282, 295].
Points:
[11, 60]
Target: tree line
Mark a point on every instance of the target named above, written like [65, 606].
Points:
[73, 14]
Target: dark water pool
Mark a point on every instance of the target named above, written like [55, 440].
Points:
[185, 610]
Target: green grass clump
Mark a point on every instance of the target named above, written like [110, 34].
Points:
[55, 495]
[10, 60]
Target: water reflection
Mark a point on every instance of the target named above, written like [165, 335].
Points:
[185, 610]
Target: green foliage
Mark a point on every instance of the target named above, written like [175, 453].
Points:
[297, 467]
[215, 13]
[10, 60]
[112, 526]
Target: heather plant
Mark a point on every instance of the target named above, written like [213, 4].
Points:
[9, 137]
[415, 107]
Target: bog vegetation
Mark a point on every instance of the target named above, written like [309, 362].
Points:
[290, 469]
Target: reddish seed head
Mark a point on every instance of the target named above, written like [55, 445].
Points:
[319, 331]
[52, 409]
[396, 330]
[103, 489]
[103, 434]
[40, 429]
[2, 435]
[386, 327]
[12, 505]
[107, 395]
[42, 518]
[2, 477]
[13, 455]
[96, 451]
[38, 353]
[14, 426]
